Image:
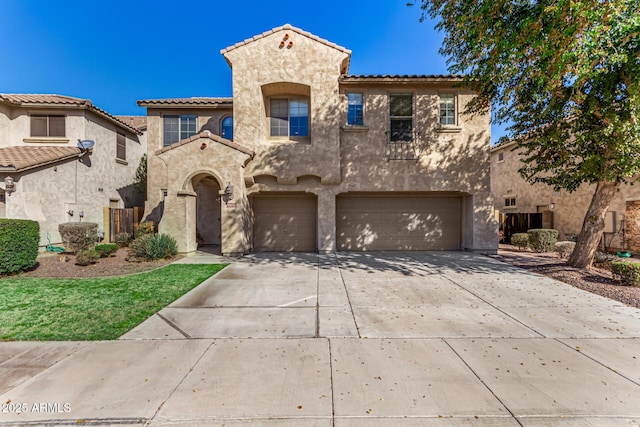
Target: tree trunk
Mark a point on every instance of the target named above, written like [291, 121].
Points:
[593, 225]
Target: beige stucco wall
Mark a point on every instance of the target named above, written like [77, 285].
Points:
[569, 208]
[48, 193]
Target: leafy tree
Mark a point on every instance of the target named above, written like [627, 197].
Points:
[566, 75]
[140, 180]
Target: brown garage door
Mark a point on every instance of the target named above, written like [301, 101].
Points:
[284, 223]
[398, 222]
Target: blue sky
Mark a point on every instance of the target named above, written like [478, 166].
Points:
[117, 52]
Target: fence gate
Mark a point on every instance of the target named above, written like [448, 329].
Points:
[512, 223]
[120, 221]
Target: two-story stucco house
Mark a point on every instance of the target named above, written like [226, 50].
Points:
[305, 157]
[48, 175]
[561, 210]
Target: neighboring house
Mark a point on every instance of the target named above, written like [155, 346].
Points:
[57, 179]
[305, 157]
[560, 210]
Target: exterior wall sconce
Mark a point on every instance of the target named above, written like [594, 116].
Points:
[9, 185]
[227, 194]
[552, 205]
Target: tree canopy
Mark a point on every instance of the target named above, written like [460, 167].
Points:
[565, 74]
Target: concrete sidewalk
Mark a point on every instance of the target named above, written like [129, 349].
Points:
[347, 340]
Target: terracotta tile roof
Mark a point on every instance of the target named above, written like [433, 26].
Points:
[48, 100]
[19, 158]
[286, 27]
[208, 135]
[188, 102]
[137, 122]
[389, 77]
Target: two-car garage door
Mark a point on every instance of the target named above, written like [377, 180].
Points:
[371, 222]
[364, 222]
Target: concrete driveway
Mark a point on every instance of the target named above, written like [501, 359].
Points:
[347, 340]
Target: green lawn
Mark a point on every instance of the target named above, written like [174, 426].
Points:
[91, 309]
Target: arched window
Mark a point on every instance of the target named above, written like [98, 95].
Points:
[227, 128]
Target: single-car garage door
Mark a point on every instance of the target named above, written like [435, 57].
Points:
[398, 222]
[284, 223]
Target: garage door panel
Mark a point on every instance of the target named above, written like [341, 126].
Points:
[284, 223]
[398, 223]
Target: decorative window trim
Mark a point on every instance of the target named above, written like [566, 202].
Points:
[46, 140]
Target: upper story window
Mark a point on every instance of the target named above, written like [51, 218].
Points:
[227, 128]
[355, 116]
[509, 202]
[177, 128]
[289, 117]
[46, 125]
[447, 109]
[501, 156]
[121, 147]
[401, 116]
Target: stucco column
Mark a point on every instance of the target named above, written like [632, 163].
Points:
[235, 227]
[326, 221]
[179, 220]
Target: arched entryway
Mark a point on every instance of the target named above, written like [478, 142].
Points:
[208, 213]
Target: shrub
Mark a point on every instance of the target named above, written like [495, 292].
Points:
[79, 236]
[143, 228]
[564, 249]
[521, 240]
[19, 240]
[542, 239]
[123, 239]
[627, 272]
[86, 257]
[106, 249]
[154, 246]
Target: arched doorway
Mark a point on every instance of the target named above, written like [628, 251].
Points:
[208, 213]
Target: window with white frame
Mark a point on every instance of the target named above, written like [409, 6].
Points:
[447, 109]
[355, 110]
[401, 116]
[509, 202]
[289, 117]
[178, 127]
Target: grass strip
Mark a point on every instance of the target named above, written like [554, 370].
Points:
[36, 309]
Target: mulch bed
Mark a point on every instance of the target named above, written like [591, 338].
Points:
[595, 280]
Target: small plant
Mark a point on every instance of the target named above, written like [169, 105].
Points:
[521, 240]
[143, 228]
[86, 257]
[19, 240]
[153, 246]
[564, 249]
[123, 239]
[627, 272]
[542, 239]
[79, 236]
[106, 249]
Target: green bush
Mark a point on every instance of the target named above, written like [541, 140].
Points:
[521, 240]
[79, 236]
[106, 249]
[153, 246]
[86, 257]
[19, 240]
[565, 249]
[123, 239]
[627, 272]
[542, 239]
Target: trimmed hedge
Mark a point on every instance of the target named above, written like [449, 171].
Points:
[19, 239]
[86, 257]
[106, 249]
[565, 249]
[521, 240]
[627, 272]
[542, 239]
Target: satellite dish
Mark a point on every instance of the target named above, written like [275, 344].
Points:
[86, 144]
